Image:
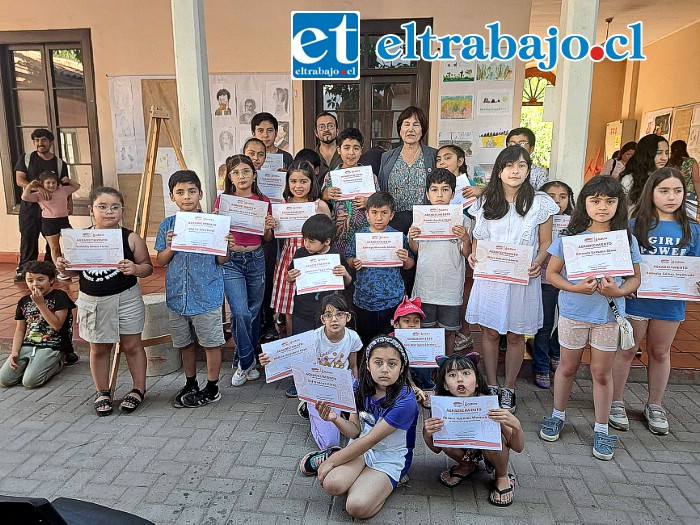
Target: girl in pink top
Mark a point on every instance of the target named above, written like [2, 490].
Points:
[53, 200]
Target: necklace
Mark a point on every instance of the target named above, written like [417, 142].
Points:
[413, 157]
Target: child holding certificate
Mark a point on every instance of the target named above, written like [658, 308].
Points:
[378, 290]
[662, 228]
[301, 186]
[382, 435]
[317, 234]
[244, 272]
[585, 316]
[459, 376]
[545, 349]
[110, 306]
[194, 293]
[442, 298]
[510, 211]
[336, 346]
[350, 216]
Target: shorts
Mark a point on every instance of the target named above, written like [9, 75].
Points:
[444, 316]
[205, 328]
[104, 319]
[52, 226]
[574, 335]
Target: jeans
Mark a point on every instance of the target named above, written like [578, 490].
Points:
[423, 378]
[546, 343]
[244, 285]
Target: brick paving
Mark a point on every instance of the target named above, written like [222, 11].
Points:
[236, 461]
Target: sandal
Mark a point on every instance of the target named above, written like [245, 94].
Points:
[452, 474]
[103, 403]
[463, 342]
[495, 491]
[130, 399]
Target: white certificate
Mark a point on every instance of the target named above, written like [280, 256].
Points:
[559, 222]
[466, 423]
[317, 273]
[291, 217]
[285, 352]
[273, 161]
[597, 254]
[354, 182]
[93, 249]
[200, 233]
[324, 383]
[379, 249]
[271, 183]
[423, 345]
[463, 182]
[670, 278]
[502, 262]
[247, 215]
[436, 222]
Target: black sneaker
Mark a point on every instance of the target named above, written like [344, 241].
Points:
[18, 276]
[71, 359]
[303, 410]
[507, 400]
[199, 399]
[187, 389]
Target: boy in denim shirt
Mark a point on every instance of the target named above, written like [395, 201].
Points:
[194, 291]
[378, 290]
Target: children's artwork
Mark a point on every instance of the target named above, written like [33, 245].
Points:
[457, 107]
[482, 174]
[123, 94]
[655, 122]
[458, 71]
[248, 103]
[493, 139]
[277, 99]
[494, 70]
[282, 140]
[494, 102]
[226, 140]
[694, 142]
[463, 139]
[222, 103]
[126, 157]
[124, 125]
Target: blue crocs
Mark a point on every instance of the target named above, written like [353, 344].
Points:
[603, 445]
[550, 429]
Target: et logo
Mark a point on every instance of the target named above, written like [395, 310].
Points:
[325, 45]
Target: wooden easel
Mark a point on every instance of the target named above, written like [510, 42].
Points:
[159, 117]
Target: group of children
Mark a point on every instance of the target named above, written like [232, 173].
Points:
[387, 390]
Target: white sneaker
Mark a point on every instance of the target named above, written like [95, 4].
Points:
[618, 416]
[63, 277]
[239, 378]
[656, 419]
[252, 374]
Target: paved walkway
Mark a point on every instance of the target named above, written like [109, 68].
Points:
[236, 461]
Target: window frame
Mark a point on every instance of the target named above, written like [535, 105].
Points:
[11, 144]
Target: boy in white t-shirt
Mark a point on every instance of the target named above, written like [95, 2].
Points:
[441, 266]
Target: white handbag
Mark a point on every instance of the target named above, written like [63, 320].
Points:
[626, 332]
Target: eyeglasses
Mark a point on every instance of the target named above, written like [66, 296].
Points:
[336, 316]
[324, 127]
[241, 174]
[103, 207]
[522, 144]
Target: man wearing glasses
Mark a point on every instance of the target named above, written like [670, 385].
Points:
[525, 138]
[326, 132]
[27, 169]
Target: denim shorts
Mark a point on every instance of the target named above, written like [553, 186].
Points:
[443, 316]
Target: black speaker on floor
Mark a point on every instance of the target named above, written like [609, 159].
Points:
[62, 511]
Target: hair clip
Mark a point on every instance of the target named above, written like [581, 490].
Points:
[441, 360]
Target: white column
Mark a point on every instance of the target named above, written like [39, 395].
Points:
[192, 74]
[573, 97]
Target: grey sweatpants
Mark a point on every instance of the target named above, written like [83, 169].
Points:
[36, 365]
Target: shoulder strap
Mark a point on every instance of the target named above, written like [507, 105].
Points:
[59, 166]
[27, 160]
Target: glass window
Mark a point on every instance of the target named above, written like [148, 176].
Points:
[67, 65]
[71, 107]
[28, 69]
[31, 105]
[341, 97]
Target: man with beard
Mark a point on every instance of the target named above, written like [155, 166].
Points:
[326, 132]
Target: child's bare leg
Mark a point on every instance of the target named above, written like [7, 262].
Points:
[340, 479]
[514, 358]
[450, 341]
[499, 460]
[132, 346]
[55, 246]
[489, 351]
[213, 363]
[601, 372]
[368, 494]
[565, 375]
[659, 348]
[288, 317]
[100, 354]
[189, 359]
[624, 358]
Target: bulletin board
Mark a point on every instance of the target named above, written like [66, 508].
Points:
[235, 98]
[476, 110]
